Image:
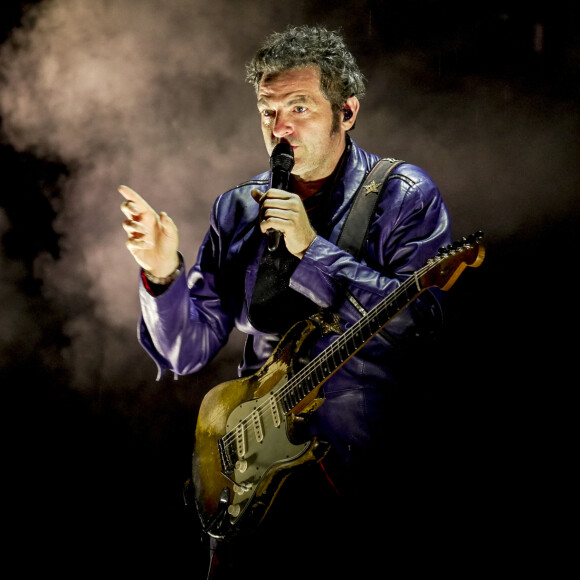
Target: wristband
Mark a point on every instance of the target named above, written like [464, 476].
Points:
[167, 279]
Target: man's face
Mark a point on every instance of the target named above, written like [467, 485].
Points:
[293, 109]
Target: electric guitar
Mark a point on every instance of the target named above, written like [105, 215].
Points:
[247, 434]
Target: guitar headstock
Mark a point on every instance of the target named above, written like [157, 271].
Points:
[443, 269]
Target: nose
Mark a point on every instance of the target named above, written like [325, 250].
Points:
[282, 125]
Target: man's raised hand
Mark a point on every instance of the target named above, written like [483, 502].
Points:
[153, 238]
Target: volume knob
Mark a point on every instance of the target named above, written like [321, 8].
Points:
[234, 510]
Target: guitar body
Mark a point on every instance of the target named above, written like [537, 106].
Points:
[245, 443]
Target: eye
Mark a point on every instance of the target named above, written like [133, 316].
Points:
[300, 109]
[267, 113]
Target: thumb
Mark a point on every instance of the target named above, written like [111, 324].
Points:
[257, 195]
[168, 225]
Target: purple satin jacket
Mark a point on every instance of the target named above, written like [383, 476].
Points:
[185, 326]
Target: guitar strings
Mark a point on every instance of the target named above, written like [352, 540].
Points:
[315, 365]
[246, 424]
[317, 362]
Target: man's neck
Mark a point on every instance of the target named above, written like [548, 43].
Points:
[305, 189]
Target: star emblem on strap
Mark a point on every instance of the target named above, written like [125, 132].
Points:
[372, 187]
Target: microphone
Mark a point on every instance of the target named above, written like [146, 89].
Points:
[281, 164]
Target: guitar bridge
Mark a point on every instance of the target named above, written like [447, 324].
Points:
[228, 460]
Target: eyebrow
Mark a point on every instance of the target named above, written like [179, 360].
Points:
[293, 101]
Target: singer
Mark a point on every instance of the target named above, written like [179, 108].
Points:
[273, 257]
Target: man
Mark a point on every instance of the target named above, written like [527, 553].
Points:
[308, 89]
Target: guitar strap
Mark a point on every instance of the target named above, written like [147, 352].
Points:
[356, 227]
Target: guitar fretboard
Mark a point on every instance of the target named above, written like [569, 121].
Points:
[346, 345]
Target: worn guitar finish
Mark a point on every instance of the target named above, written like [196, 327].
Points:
[248, 430]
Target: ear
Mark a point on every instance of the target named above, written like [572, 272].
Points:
[352, 106]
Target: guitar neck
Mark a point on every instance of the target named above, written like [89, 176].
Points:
[347, 344]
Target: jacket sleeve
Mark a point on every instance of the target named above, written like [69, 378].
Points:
[410, 225]
[183, 328]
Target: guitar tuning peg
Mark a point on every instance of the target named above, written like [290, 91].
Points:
[474, 238]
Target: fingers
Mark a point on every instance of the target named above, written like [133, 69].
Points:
[279, 194]
[284, 212]
[283, 208]
[261, 196]
[135, 229]
[138, 236]
[131, 195]
[274, 199]
[134, 205]
[152, 238]
[135, 209]
[131, 211]
[134, 243]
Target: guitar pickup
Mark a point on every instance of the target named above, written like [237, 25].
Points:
[240, 437]
[257, 423]
[275, 410]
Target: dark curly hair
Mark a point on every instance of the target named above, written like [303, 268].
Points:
[300, 46]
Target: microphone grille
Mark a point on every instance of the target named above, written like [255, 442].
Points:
[282, 157]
